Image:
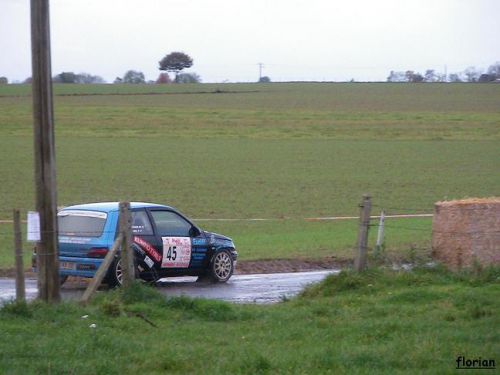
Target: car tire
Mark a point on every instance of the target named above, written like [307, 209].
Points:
[115, 274]
[221, 266]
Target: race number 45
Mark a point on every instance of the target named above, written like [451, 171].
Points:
[172, 253]
[176, 252]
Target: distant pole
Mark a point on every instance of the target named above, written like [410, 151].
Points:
[380, 233]
[18, 251]
[261, 65]
[364, 224]
[44, 153]
[127, 254]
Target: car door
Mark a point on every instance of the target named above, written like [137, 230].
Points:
[183, 245]
[146, 247]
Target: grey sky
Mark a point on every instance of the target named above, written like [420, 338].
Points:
[295, 39]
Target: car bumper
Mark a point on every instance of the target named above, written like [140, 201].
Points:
[83, 267]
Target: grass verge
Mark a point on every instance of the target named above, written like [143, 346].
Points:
[380, 321]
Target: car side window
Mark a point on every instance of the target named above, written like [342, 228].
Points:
[169, 223]
[141, 224]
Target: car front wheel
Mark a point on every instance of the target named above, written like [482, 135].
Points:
[222, 266]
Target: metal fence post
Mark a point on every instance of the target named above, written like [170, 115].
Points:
[380, 233]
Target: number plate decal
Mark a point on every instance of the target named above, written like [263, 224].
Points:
[149, 261]
[176, 252]
[67, 265]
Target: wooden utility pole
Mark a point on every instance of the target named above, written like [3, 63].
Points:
[127, 254]
[18, 251]
[44, 152]
[364, 225]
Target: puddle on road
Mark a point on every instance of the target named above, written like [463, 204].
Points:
[259, 288]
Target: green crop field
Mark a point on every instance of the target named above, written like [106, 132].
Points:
[274, 151]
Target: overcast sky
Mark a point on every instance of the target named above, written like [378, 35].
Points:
[295, 39]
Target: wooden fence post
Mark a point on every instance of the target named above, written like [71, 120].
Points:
[18, 251]
[101, 272]
[364, 224]
[127, 254]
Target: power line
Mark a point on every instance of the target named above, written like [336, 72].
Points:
[261, 66]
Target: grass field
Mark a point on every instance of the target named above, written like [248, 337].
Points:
[379, 322]
[279, 151]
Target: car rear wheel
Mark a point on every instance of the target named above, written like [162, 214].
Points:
[115, 275]
[222, 266]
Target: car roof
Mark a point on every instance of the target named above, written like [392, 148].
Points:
[112, 206]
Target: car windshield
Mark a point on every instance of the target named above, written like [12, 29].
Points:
[81, 223]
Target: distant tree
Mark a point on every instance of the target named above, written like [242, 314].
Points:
[411, 76]
[472, 74]
[118, 80]
[175, 62]
[65, 77]
[396, 76]
[454, 77]
[187, 78]
[163, 78]
[133, 76]
[264, 79]
[4, 81]
[88, 78]
[28, 80]
[431, 76]
[494, 70]
[486, 78]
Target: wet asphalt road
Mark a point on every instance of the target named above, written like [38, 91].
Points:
[258, 288]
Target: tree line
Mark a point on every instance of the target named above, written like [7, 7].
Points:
[173, 62]
[176, 62]
[471, 74]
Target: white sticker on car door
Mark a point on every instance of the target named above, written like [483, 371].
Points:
[176, 252]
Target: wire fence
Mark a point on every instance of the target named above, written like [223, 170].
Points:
[394, 220]
[89, 234]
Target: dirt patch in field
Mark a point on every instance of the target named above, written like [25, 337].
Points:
[288, 265]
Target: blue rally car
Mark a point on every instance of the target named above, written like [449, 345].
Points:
[165, 243]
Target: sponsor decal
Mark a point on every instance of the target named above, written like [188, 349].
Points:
[148, 248]
[75, 240]
[96, 214]
[199, 241]
[176, 252]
